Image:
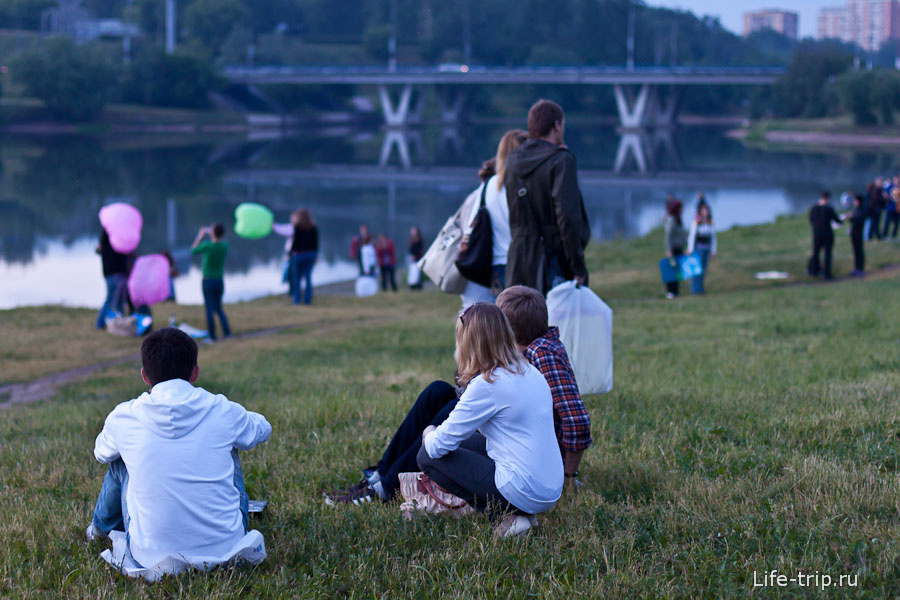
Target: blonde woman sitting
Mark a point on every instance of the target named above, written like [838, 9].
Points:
[497, 450]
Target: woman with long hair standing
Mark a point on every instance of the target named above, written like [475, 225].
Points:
[702, 241]
[416, 250]
[304, 251]
[675, 238]
[493, 174]
[497, 449]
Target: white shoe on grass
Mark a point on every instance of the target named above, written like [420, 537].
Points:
[514, 525]
[92, 533]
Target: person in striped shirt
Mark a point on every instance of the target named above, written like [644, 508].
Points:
[526, 310]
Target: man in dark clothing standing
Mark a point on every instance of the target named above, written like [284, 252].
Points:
[857, 224]
[548, 224]
[821, 216]
[115, 272]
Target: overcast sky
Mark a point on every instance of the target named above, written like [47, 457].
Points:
[730, 12]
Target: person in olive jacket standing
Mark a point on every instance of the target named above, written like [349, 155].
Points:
[548, 224]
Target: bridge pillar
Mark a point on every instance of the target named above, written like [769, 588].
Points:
[402, 140]
[632, 111]
[648, 108]
[405, 112]
[664, 110]
[452, 101]
[632, 145]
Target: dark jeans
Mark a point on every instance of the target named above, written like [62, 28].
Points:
[498, 279]
[892, 218]
[431, 408]
[387, 276]
[821, 245]
[111, 510]
[115, 297]
[702, 252]
[468, 472]
[213, 289]
[672, 286]
[859, 252]
[301, 271]
[875, 229]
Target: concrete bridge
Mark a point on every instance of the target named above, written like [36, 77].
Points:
[639, 100]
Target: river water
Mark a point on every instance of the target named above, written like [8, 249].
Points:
[52, 187]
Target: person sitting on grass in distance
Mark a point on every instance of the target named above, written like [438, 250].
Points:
[526, 310]
[174, 483]
[496, 449]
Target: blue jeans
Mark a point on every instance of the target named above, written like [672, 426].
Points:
[213, 289]
[498, 279]
[697, 282]
[111, 510]
[301, 270]
[115, 297]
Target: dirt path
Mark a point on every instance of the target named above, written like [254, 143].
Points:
[45, 387]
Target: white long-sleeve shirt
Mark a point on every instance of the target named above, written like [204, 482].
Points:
[515, 414]
[176, 442]
[498, 208]
[285, 230]
[703, 230]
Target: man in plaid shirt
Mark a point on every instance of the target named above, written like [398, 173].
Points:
[527, 313]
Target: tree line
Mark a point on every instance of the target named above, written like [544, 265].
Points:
[76, 81]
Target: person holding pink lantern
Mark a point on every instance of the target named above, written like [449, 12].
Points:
[115, 272]
[121, 235]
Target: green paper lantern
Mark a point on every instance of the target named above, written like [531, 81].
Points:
[253, 221]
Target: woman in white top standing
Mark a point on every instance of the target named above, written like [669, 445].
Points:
[497, 450]
[702, 240]
[498, 209]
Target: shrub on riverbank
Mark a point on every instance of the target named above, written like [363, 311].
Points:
[870, 96]
[74, 82]
[182, 79]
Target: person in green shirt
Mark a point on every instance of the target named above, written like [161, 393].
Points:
[213, 251]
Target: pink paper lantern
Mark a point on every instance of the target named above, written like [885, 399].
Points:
[122, 223]
[149, 280]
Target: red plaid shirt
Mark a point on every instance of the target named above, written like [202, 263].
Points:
[570, 417]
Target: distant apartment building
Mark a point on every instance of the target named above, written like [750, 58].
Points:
[867, 23]
[782, 21]
[833, 23]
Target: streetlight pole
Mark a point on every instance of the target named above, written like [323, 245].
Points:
[467, 31]
[629, 42]
[392, 40]
[170, 26]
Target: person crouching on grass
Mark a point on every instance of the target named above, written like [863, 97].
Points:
[174, 483]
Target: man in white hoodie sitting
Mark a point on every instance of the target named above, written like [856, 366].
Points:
[174, 485]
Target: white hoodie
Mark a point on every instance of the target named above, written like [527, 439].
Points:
[176, 443]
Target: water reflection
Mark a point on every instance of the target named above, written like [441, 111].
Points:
[51, 190]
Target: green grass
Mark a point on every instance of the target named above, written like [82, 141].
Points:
[748, 430]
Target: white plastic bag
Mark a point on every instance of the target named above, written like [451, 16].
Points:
[413, 274]
[585, 329]
[366, 285]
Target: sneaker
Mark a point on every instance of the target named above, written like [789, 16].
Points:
[514, 525]
[670, 296]
[372, 474]
[93, 533]
[358, 496]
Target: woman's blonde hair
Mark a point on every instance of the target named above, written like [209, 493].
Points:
[510, 141]
[485, 343]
